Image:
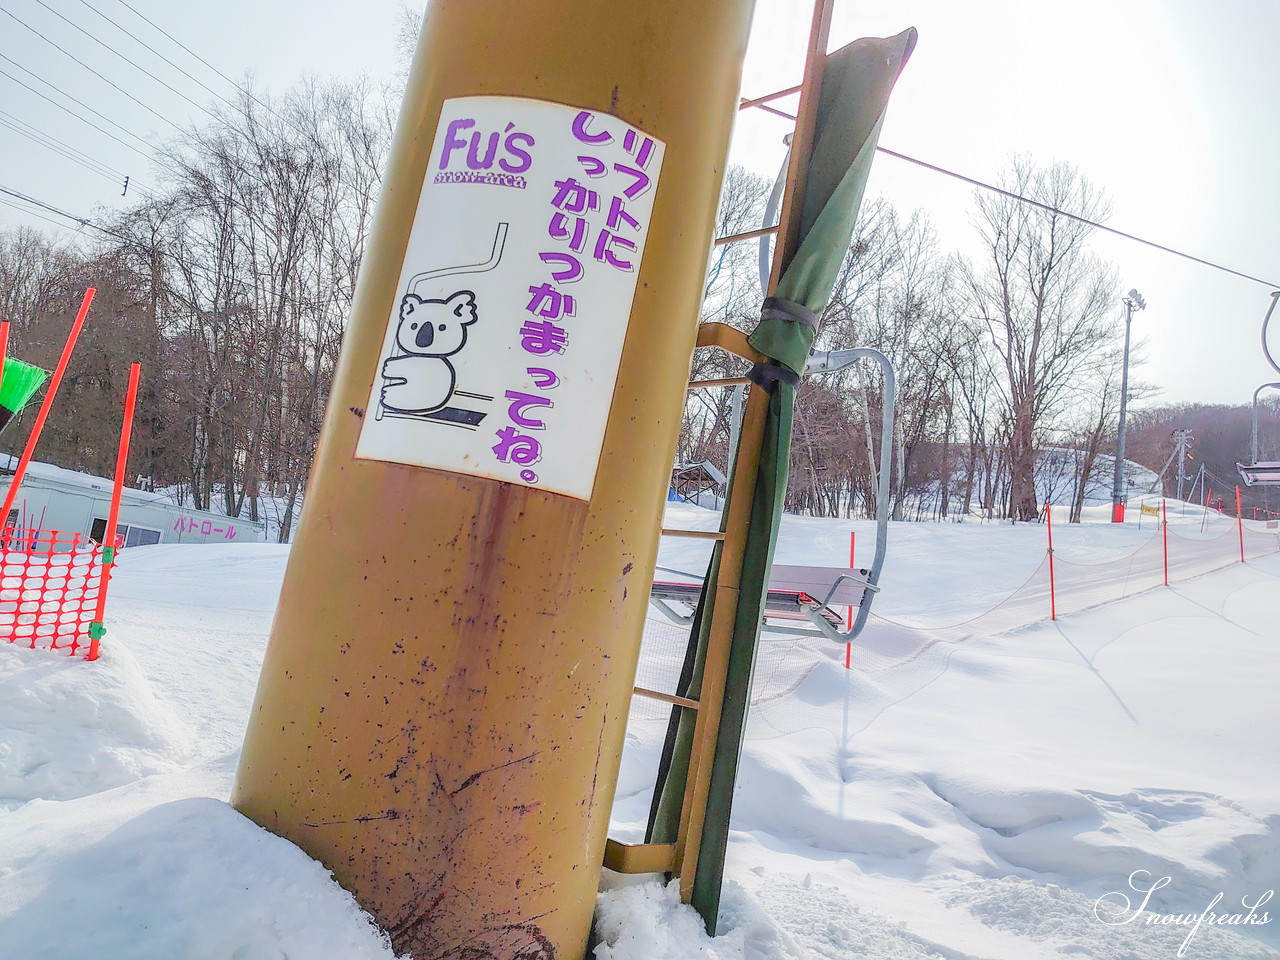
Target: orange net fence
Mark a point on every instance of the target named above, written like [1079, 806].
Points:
[50, 586]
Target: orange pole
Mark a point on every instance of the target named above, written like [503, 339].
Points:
[848, 647]
[1240, 522]
[4, 352]
[4, 346]
[1053, 601]
[45, 404]
[96, 629]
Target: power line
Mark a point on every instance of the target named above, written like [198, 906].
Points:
[228, 122]
[53, 147]
[1072, 216]
[44, 206]
[56, 146]
[310, 136]
[147, 248]
[138, 40]
[213, 116]
[221, 193]
[245, 90]
[31, 213]
[73, 57]
[1036, 203]
[100, 42]
[68, 110]
[31, 73]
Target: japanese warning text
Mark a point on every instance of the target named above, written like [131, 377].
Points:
[502, 348]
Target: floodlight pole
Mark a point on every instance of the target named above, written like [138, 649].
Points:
[1132, 302]
[829, 361]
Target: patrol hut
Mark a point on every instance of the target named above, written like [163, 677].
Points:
[53, 498]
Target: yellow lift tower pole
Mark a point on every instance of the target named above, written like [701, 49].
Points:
[442, 706]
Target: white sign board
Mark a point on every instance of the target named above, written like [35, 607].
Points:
[502, 348]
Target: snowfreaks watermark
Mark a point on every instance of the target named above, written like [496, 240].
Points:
[1116, 909]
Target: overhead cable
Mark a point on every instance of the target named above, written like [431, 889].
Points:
[52, 86]
[31, 213]
[134, 242]
[137, 66]
[54, 145]
[73, 57]
[142, 43]
[44, 206]
[68, 110]
[1072, 216]
[245, 90]
[760, 103]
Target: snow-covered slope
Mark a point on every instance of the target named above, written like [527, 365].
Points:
[1000, 796]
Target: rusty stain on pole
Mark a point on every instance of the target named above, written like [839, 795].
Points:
[442, 706]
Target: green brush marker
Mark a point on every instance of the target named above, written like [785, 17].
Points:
[19, 384]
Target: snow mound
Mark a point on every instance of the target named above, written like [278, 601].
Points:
[74, 728]
[146, 873]
[1074, 925]
[647, 921]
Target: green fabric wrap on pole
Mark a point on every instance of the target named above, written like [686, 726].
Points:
[857, 81]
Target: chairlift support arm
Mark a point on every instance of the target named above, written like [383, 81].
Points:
[1253, 436]
[830, 361]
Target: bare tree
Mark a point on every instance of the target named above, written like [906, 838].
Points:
[1047, 304]
[236, 277]
[1099, 406]
[897, 294]
[731, 295]
[252, 247]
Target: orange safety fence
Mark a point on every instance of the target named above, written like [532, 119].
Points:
[51, 583]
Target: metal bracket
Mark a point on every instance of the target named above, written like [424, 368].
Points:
[639, 857]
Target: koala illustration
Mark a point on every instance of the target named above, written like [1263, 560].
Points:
[420, 380]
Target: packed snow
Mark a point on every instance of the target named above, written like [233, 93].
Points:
[1102, 785]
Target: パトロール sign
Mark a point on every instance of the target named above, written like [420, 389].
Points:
[502, 348]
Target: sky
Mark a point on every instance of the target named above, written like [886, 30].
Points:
[1165, 104]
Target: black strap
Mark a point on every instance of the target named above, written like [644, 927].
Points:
[776, 308]
[767, 374]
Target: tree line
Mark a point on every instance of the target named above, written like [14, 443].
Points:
[231, 280]
[233, 277]
[1008, 356]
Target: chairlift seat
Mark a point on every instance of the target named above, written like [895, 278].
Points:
[798, 593]
[1264, 474]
